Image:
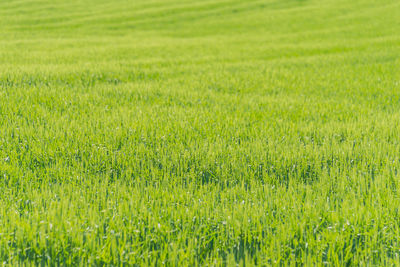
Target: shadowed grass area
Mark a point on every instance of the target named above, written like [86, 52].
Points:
[186, 133]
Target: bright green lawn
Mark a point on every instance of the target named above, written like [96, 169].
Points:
[186, 133]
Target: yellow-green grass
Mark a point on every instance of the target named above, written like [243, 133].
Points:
[193, 133]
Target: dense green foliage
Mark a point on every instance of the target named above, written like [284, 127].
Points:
[187, 132]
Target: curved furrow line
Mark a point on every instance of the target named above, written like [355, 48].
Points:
[163, 16]
[194, 14]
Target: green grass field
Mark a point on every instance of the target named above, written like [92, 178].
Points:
[212, 133]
